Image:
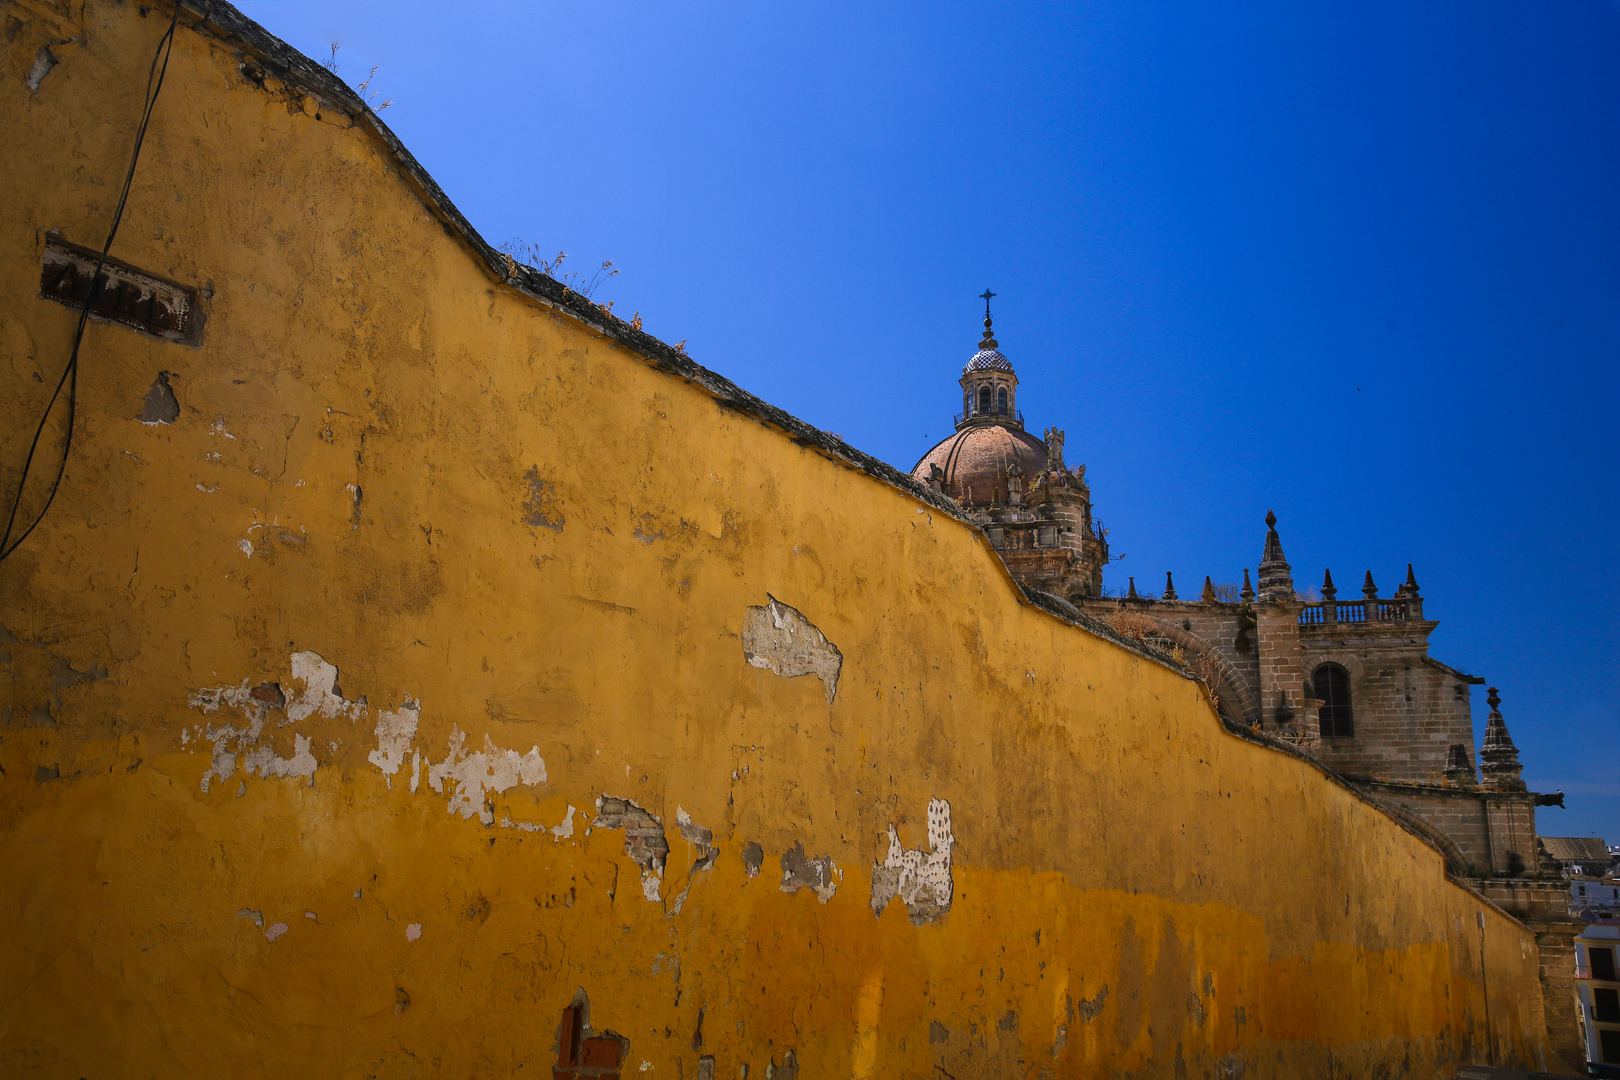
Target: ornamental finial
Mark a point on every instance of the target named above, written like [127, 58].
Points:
[989, 340]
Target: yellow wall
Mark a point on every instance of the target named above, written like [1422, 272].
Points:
[1135, 889]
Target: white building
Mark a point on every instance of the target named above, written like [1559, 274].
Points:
[1597, 987]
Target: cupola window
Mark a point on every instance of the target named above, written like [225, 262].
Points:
[1332, 685]
[1001, 402]
[984, 399]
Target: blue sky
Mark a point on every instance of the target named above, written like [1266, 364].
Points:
[1359, 264]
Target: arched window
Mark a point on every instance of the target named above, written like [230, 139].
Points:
[1332, 685]
[984, 399]
[967, 403]
[1001, 401]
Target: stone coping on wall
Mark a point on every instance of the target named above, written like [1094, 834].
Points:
[293, 68]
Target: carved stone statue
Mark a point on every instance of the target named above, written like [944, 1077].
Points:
[1054, 448]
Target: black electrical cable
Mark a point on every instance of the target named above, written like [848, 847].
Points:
[70, 374]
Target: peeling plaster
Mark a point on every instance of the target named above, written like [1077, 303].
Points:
[231, 742]
[753, 858]
[644, 839]
[264, 761]
[788, 1070]
[816, 874]
[698, 837]
[922, 879]
[321, 693]
[566, 829]
[160, 406]
[703, 840]
[395, 730]
[413, 931]
[540, 502]
[44, 60]
[780, 639]
[473, 777]
[491, 769]
[274, 930]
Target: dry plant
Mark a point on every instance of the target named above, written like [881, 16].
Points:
[1203, 666]
[1225, 592]
[1297, 734]
[1147, 631]
[331, 64]
[530, 255]
[361, 90]
[1136, 627]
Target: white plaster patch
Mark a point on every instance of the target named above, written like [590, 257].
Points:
[416, 769]
[521, 826]
[267, 763]
[320, 693]
[921, 879]
[209, 701]
[780, 639]
[241, 744]
[395, 730]
[249, 913]
[490, 769]
[566, 829]
[274, 930]
[247, 546]
[413, 931]
[227, 740]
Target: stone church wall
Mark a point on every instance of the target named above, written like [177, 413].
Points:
[1407, 711]
[450, 680]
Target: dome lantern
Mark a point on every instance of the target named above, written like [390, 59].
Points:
[989, 385]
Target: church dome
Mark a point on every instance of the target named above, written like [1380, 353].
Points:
[988, 360]
[975, 461]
